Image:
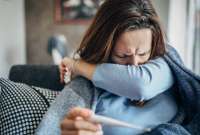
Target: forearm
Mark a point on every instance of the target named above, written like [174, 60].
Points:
[135, 82]
[84, 69]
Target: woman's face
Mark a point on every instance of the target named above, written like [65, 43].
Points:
[133, 47]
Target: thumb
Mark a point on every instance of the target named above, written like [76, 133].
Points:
[79, 112]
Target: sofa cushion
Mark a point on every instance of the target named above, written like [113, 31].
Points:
[46, 76]
[22, 107]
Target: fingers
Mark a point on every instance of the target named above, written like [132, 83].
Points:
[70, 125]
[65, 63]
[81, 132]
[63, 70]
[75, 123]
[67, 76]
[77, 111]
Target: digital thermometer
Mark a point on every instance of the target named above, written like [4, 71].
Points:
[113, 122]
[109, 121]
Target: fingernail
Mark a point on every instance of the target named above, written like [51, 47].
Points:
[90, 113]
[99, 126]
[100, 133]
[79, 118]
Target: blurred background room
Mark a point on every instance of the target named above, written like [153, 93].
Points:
[43, 31]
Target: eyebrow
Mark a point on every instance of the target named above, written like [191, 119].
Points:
[147, 51]
[126, 55]
[123, 55]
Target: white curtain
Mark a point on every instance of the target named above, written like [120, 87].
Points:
[196, 54]
[193, 36]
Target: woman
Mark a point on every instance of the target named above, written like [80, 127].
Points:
[136, 37]
[131, 37]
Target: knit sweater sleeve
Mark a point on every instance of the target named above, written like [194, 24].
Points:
[141, 82]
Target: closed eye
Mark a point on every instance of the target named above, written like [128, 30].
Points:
[122, 57]
[142, 54]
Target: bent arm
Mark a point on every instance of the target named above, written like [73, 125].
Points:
[134, 82]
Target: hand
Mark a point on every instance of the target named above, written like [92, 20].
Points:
[76, 67]
[65, 67]
[75, 123]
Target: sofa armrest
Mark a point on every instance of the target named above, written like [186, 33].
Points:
[46, 76]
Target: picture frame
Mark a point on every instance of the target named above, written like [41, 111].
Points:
[76, 11]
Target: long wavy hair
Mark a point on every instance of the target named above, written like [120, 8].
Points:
[112, 19]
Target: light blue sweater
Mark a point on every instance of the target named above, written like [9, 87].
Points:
[125, 83]
[141, 82]
[114, 100]
[81, 92]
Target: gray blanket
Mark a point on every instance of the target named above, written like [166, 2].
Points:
[188, 90]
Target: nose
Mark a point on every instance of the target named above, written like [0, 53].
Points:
[133, 61]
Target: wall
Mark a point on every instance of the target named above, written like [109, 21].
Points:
[173, 15]
[12, 35]
[178, 26]
[40, 26]
[162, 8]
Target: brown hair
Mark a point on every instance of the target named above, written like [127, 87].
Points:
[112, 19]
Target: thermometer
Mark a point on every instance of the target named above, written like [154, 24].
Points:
[109, 121]
[113, 122]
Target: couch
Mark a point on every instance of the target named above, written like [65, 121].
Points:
[25, 99]
[45, 76]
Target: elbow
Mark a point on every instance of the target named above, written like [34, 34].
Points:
[144, 95]
[143, 91]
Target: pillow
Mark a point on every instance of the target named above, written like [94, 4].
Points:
[22, 107]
